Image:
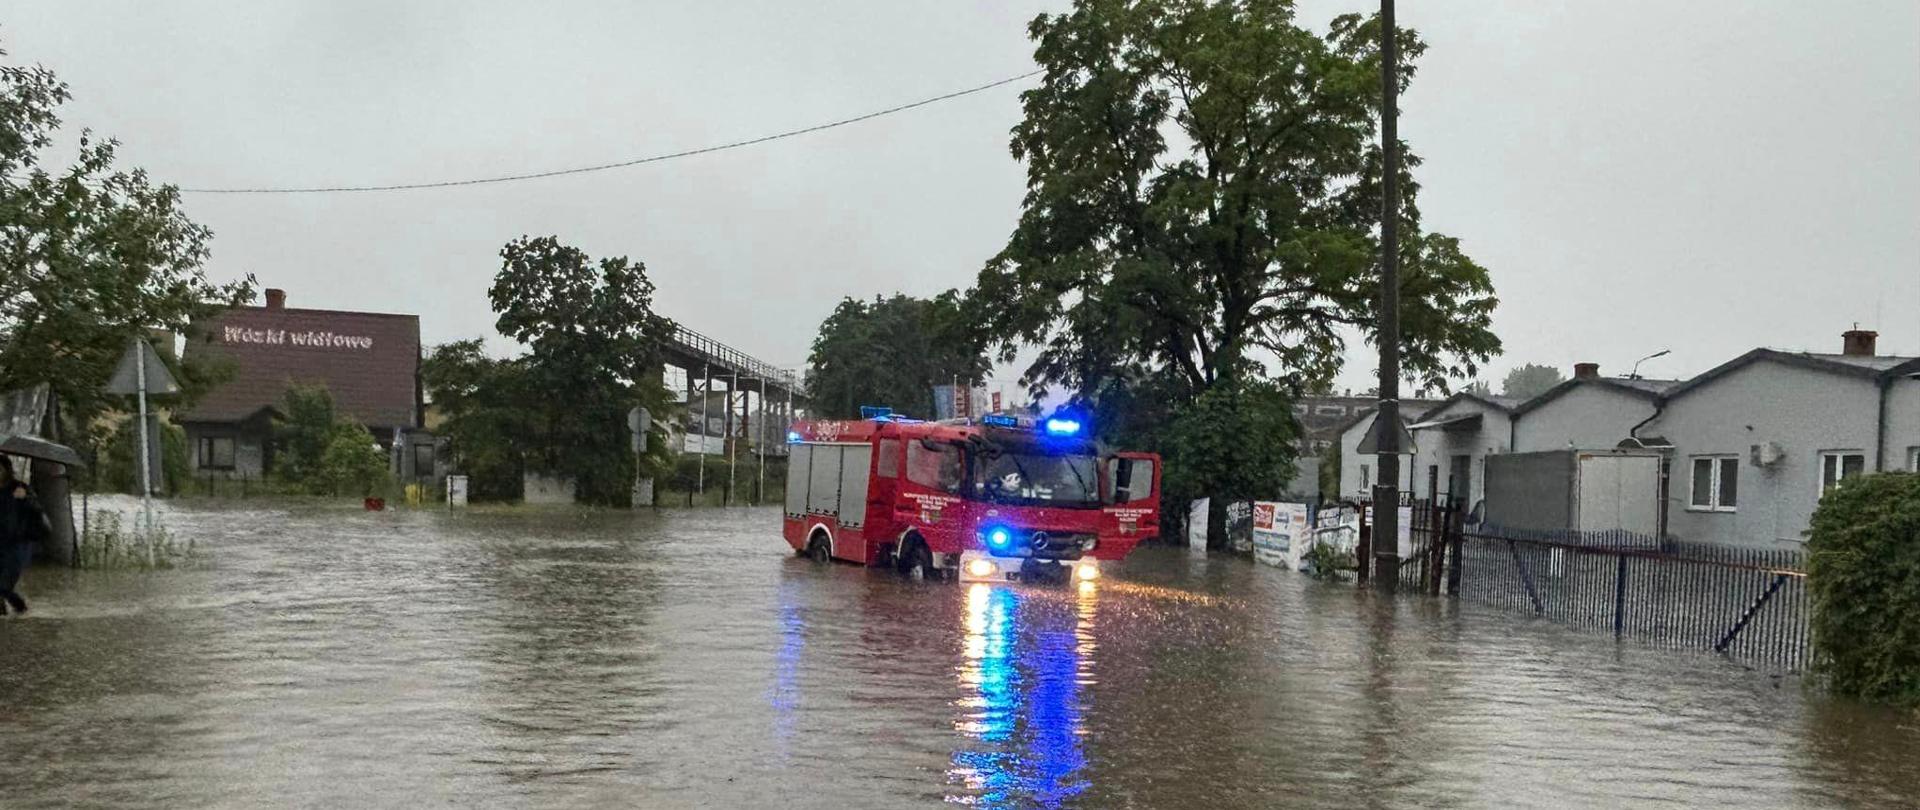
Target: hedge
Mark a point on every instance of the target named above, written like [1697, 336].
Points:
[1864, 573]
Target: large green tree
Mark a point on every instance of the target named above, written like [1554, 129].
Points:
[91, 255]
[593, 354]
[892, 352]
[1203, 197]
[488, 411]
[1529, 381]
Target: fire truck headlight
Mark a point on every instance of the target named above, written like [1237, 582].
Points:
[977, 567]
[999, 539]
[1086, 572]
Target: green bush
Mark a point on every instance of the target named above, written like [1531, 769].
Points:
[1864, 571]
[118, 468]
[352, 464]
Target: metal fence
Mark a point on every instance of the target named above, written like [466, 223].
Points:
[1749, 604]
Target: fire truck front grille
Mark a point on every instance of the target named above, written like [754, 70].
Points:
[1059, 545]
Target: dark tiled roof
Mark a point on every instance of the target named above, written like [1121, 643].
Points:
[1877, 362]
[1869, 366]
[1643, 384]
[368, 361]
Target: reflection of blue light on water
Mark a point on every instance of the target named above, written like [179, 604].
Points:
[1024, 706]
[784, 696]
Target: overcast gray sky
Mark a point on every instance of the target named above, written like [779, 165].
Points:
[1701, 176]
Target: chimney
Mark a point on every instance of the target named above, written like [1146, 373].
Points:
[1586, 371]
[1857, 342]
[276, 298]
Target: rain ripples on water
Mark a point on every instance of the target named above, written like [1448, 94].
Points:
[527, 657]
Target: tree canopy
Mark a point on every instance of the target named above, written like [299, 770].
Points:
[593, 355]
[891, 352]
[92, 255]
[1203, 195]
[1529, 381]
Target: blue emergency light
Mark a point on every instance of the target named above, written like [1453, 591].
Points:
[793, 437]
[1000, 420]
[1058, 426]
[998, 538]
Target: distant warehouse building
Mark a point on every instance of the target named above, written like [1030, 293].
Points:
[370, 362]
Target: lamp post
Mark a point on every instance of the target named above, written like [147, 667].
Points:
[1635, 374]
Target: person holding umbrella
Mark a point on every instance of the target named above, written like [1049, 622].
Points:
[22, 524]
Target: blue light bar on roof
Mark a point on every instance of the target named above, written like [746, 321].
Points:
[1000, 420]
[880, 412]
[1058, 426]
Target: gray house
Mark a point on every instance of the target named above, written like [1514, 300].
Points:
[1749, 447]
[1755, 442]
[1588, 412]
[1451, 439]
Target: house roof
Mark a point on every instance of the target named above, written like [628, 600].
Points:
[1865, 366]
[368, 361]
[1651, 389]
[1459, 422]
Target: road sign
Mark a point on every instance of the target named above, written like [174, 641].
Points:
[126, 376]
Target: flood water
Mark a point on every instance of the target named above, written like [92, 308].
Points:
[518, 658]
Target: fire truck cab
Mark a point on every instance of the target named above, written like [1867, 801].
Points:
[999, 498]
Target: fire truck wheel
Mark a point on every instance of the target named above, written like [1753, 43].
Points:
[818, 550]
[917, 562]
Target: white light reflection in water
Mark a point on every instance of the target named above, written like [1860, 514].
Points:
[1024, 664]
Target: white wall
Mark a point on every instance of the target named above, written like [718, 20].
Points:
[1438, 447]
[1586, 417]
[1903, 424]
[1805, 411]
[1352, 483]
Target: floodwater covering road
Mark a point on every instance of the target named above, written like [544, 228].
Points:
[324, 657]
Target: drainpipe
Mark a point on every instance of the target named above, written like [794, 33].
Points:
[1666, 465]
[1880, 426]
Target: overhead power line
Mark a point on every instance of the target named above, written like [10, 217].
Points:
[512, 178]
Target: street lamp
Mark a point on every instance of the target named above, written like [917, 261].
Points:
[1635, 374]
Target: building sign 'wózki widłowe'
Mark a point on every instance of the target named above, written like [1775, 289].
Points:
[282, 337]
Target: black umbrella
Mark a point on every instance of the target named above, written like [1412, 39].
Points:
[21, 444]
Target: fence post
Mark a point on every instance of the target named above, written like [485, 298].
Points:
[1454, 543]
[1620, 598]
[1363, 548]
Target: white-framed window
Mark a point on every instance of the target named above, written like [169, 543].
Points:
[1837, 466]
[1716, 484]
[1913, 459]
[1366, 477]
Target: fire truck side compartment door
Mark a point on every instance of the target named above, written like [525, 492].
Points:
[823, 480]
[799, 474]
[855, 464]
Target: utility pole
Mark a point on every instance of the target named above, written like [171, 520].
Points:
[1386, 493]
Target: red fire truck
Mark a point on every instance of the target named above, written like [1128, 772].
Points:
[998, 498]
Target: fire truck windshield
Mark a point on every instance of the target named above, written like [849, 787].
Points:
[1017, 475]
